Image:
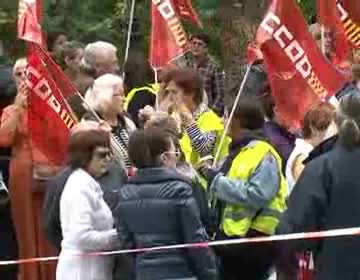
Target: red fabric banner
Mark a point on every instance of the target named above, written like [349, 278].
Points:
[168, 38]
[29, 28]
[336, 43]
[327, 11]
[350, 17]
[185, 9]
[50, 118]
[299, 74]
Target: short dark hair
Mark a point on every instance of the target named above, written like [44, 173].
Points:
[52, 37]
[318, 117]
[187, 79]
[82, 145]
[137, 71]
[68, 49]
[248, 112]
[201, 36]
[145, 147]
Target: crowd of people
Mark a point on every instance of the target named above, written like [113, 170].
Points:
[176, 182]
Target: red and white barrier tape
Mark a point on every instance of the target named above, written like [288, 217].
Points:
[283, 237]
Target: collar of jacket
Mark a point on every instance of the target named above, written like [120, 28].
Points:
[237, 145]
[156, 175]
[322, 148]
[246, 137]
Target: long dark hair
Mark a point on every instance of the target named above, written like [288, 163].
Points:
[145, 147]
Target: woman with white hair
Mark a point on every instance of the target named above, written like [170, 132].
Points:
[106, 98]
[19, 71]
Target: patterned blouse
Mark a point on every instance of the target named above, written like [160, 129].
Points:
[121, 133]
[202, 142]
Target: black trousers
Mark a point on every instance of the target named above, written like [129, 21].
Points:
[246, 261]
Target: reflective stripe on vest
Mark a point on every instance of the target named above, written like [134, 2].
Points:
[207, 122]
[238, 219]
[152, 88]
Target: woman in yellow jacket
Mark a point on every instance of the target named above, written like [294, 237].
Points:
[201, 127]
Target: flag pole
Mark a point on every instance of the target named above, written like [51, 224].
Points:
[227, 125]
[156, 77]
[323, 47]
[128, 40]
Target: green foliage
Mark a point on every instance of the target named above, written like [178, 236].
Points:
[309, 8]
[90, 20]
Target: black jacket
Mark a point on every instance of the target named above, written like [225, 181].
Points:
[327, 197]
[140, 100]
[157, 208]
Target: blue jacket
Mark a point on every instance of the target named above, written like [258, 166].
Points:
[157, 208]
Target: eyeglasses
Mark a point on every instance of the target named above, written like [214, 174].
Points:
[175, 153]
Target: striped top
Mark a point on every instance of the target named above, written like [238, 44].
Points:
[121, 134]
[202, 142]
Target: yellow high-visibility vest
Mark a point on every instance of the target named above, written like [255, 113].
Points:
[152, 88]
[238, 219]
[208, 121]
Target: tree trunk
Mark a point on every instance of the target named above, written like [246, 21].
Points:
[240, 20]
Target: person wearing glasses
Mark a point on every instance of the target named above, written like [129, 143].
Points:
[157, 208]
[86, 220]
[201, 127]
[212, 75]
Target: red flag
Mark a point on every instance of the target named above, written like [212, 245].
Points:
[185, 9]
[253, 53]
[29, 15]
[50, 118]
[337, 46]
[327, 12]
[168, 38]
[350, 17]
[299, 74]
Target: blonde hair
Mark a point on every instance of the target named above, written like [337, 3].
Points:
[99, 96]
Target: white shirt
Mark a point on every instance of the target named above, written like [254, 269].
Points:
[302, 148]
[87, 226]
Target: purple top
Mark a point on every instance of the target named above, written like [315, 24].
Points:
[282, 140]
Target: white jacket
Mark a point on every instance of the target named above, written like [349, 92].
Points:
[87, 226]
[302, 148]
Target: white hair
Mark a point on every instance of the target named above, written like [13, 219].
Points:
[93, 50]
[21, 62]
[99, 96]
